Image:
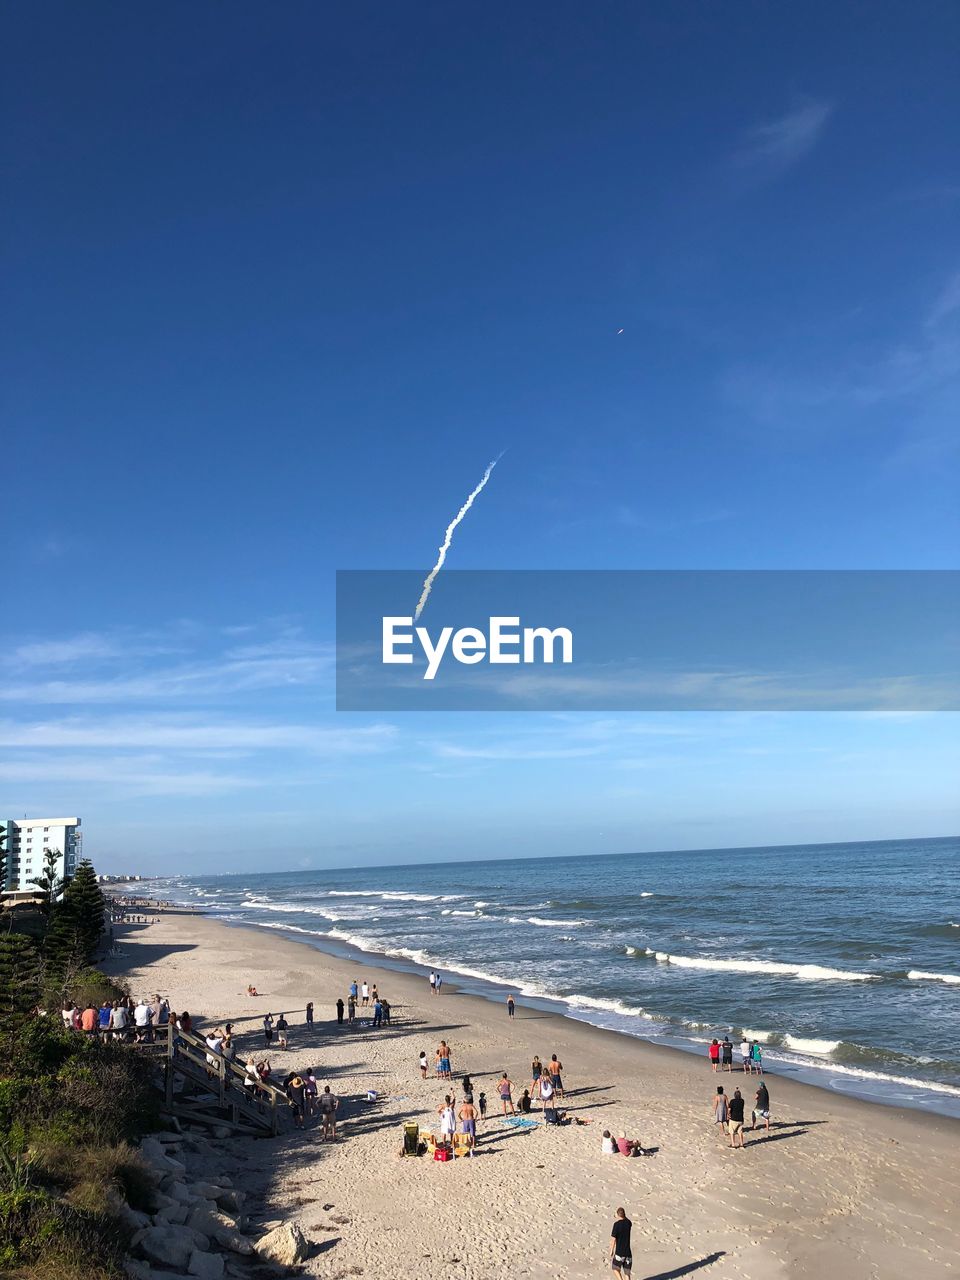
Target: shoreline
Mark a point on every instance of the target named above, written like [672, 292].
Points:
[840, 1189]
[873, 1087]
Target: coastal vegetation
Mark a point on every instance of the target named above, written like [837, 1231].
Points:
[70, 1103]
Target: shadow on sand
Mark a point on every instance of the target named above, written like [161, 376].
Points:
[689, 1267]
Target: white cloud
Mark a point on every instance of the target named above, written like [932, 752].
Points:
[774, 146]
[175, 733]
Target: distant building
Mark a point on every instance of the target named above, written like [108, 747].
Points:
[27, 841]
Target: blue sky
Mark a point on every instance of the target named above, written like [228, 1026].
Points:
[279, 286]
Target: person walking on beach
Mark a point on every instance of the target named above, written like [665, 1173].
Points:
[555, 1068]
[720, 1113]
[439, 983]
[511, 1006]
[433, 983]
[468, 1123]
[329, 1102]
[364, 995]
[282, 1026]
[621, 1257]
[268, 1030]
[351, 1008]
[505, 1090]
[339, 1012]
[310, 1013]
[423, 1064]
[714, 1052]
[735, 1123]
[761, 1106]
[726, 1054]
[756, 1058]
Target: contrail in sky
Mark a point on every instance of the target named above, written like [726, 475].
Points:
[448, 537]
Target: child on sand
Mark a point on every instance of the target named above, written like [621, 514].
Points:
[482, 1106]
[423, 1063]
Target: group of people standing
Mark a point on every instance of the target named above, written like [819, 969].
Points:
[728, 1113]
[364, 996]
[721, 1055]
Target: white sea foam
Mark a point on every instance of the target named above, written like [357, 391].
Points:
[761, 1036]
[285, 908]
[391, 895]
[609, 1006]
[909, 1083]
[463, 913]
[648, 895]
[556, 924]
[807, 972]
[921, 975]
[800, 1045]
[481, 904]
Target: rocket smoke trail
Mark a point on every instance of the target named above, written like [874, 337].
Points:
[448, 537]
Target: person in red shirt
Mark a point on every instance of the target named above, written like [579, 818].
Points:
[714, 1052]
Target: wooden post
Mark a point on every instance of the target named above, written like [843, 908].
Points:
[168, 1074]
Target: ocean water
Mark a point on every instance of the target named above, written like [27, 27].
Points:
[843, 960]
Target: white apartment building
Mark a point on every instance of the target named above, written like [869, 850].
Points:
[27, 841]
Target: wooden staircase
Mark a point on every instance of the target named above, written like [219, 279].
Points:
[212, 1093]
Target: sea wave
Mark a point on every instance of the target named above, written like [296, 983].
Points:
[801, 1045]
[599, 1002]
[391, 895]
[556, 924]
[286, 908]
[807, 972]
[921, 975]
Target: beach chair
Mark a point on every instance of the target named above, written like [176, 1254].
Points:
[431, 1140]
[411, 1138]
[461, 1145]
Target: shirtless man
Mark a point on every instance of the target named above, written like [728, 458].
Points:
[555, 1067]
[328, 1114]
[468, 1123]
[505, 1091]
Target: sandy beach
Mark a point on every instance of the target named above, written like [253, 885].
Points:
[838, 1188]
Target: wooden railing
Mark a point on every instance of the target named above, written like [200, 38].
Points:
[188, 1054]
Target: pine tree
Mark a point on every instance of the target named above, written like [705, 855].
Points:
[50, 884]
[19, 976]
[76, 924]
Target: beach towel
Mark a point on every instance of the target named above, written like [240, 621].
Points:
[518, 1122]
